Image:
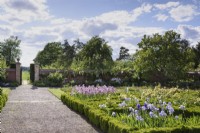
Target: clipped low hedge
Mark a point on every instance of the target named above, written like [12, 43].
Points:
[3, 99]
[109, 124]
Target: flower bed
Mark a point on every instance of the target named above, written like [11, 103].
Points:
[127, 110]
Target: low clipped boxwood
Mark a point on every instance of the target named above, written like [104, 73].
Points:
[109, 124]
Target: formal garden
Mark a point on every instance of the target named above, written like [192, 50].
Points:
[156, 89]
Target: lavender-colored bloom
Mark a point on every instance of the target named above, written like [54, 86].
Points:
[145, 104]
[138, 106]
[123, 104]
[144, 108]
[171, 110]
[164, 103]
[136, 112]
[151, 114]
[176, 117]
[92, 90]
[127, 99]
[139, 118]
[162, 114]
[182, 107]
[113, 114]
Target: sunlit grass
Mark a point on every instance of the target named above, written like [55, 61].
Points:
[25, 75]
[57, 92]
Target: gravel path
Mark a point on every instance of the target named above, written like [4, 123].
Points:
[35, 110]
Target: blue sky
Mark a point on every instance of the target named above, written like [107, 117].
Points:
[120, 22]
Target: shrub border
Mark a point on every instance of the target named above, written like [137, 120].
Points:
[108, 124]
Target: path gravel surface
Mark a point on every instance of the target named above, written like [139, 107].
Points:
[35, 110]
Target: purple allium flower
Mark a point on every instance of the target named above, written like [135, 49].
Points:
[162, 114]
[182, 107]
[113, 114]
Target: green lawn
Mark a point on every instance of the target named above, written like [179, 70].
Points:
[57, 92]
[25, 75]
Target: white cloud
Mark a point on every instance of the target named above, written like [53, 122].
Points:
[17, 12]
[183, 13]
[161, 17]
[189, 32]
[167, 5]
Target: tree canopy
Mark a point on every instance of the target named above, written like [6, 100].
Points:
[95, 55]
[162, 58]
[123, 54]
[10, 49]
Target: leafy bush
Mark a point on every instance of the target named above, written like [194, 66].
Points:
[3, 99]
[55, 79]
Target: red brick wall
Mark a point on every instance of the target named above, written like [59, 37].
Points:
[11, 75]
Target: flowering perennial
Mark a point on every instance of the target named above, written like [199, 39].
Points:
[92, 90]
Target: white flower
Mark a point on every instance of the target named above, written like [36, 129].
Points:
[113, 114]
[102, 106]
[182, 107]
[176, 117]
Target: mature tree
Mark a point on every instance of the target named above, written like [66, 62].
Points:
[123, 53]
[78, 45]
[162, 58]
[10, 49]
[96, 55]
[197, 55]
[2, 66]
[50, 54]
[68, 54]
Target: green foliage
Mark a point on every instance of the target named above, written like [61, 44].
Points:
[3, 97]
[123, 54]
[122, 66]
[196, 50]
[10, 49]
[50, 54]
[163, 58]
[55, 79]
[2, 68]
[25, 75]
[101, 118]
[96, 55]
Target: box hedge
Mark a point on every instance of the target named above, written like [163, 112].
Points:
[108, 124]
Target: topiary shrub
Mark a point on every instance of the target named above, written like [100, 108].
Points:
[55, 79]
